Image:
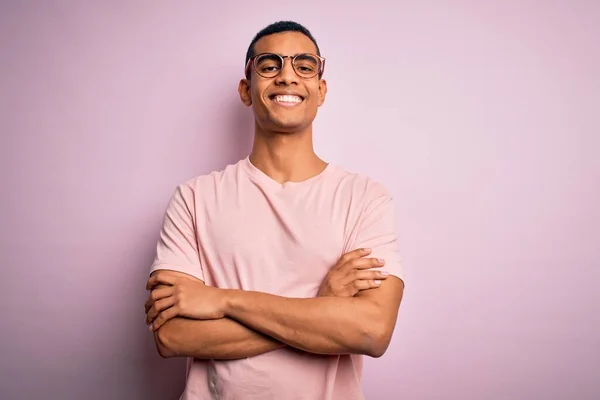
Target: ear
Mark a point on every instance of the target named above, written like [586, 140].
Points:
[322, 91]
[244, 91]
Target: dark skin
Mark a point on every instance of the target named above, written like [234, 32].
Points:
[283, 145]
[257, 91]
[178, 334]
[192, 319]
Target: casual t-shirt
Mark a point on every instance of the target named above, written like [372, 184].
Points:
[239, 229]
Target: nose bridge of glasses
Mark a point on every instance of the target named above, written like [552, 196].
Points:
[287, 66]
[287, 69]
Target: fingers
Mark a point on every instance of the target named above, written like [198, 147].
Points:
[161, 278]
[158, 307]
[358, 285]
[362, 263]
[158, 294]
[357, 259]
[363, 275]
[163, 317]
[363, 280]
[352, 255]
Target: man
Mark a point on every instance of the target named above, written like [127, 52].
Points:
[276, 275]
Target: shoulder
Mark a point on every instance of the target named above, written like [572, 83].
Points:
[360, 185]
[207, 184]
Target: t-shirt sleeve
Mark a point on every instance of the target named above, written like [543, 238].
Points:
[177, 247]
[377, 231]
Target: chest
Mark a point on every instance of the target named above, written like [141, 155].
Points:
[275, 245]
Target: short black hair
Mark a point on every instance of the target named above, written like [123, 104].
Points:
[279, 27]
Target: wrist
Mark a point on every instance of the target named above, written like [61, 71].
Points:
[230, 298]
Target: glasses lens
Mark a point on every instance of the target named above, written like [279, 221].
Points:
[268, 65]
[306, 65]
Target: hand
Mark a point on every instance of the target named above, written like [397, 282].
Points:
[349, 275]
[175, 294]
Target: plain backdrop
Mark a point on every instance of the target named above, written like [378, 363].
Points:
[481, 118]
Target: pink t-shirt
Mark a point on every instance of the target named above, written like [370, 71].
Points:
[239, 229]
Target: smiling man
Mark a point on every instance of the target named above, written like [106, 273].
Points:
[276, 275]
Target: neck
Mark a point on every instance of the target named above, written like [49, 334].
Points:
[286, 157]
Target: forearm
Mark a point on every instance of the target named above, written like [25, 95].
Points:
[323, 325]
[223, 339]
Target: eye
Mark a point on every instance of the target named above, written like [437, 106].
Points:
[304, 68]
[306, 64]
[268, 63]
[269, 68]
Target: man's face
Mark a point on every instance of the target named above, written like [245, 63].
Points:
[274, 109]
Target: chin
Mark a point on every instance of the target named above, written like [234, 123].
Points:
[287, 125]
[287, 128]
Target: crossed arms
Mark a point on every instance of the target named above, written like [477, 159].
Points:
[354, 312]
[194, 320]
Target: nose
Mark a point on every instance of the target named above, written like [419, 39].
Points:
[287, 74]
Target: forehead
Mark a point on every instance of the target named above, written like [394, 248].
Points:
[286, 43]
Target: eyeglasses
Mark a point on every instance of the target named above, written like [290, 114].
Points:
[269, 65]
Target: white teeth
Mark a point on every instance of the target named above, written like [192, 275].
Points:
[288, 98]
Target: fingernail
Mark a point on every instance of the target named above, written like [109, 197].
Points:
[367, 250]
[384, 273]
[377, 282]
[381, 260]
[150, 327]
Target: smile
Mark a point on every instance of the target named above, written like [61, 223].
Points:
[287, 100]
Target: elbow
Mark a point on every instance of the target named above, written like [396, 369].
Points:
[164, 341]
[378, 341]
[378, 348]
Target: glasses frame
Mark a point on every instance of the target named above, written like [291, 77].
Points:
[252, 63]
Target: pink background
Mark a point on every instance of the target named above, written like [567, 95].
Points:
[480, 117]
